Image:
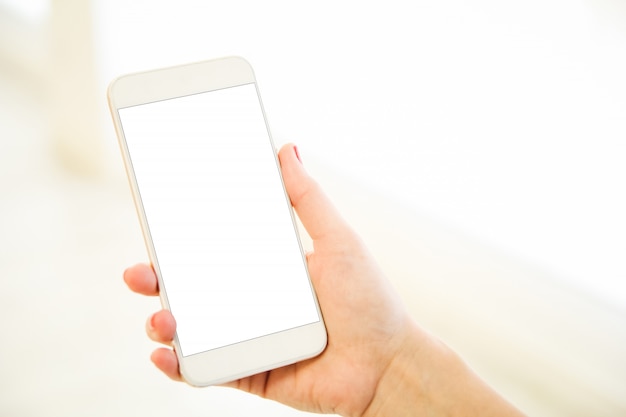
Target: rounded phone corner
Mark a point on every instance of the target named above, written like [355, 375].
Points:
[239, 58]
[189, 378]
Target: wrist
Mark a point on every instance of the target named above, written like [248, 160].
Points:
[425, 377]
[405, 385]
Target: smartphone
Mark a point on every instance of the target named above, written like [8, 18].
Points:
[216, 219]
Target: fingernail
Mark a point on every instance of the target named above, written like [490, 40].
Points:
[151, 322]
[295, 149]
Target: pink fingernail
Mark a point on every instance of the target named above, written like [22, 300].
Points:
[295, 149]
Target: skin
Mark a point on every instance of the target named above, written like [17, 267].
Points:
[378, 361]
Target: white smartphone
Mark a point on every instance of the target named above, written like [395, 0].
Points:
[217, 221]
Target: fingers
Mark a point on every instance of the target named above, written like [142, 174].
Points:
[317, 213]
[161, 327]
[141, 279]
[165, 359]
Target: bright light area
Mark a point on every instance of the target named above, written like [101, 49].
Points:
[504, 120]
[32, 10]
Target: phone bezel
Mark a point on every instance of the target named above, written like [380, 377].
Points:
[245, 358]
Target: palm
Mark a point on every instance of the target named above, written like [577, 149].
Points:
[360, 321]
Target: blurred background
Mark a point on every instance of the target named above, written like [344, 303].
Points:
[478, 148]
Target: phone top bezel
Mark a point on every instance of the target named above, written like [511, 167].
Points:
[179, 81]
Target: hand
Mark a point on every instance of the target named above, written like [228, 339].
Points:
[363, 316]
[377, 361]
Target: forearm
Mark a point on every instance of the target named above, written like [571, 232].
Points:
[426, 378]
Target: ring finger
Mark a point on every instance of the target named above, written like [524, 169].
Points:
[161, 327]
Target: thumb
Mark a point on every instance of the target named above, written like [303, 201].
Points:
[318, 215]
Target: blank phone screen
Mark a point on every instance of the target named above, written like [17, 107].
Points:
[218, 217]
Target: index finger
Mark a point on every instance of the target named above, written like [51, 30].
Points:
[141, 279]
[315, 210]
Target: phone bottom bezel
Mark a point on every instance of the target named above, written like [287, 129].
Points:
[254, 356]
